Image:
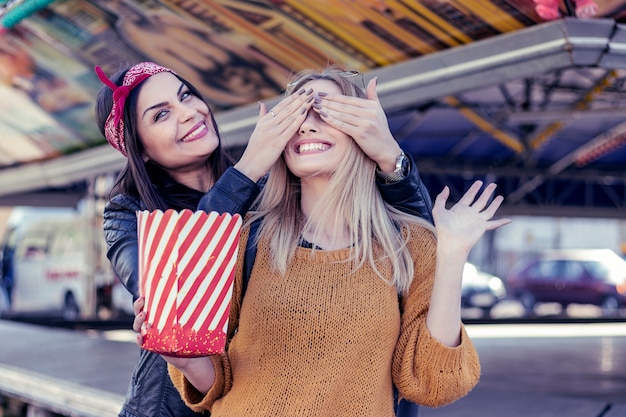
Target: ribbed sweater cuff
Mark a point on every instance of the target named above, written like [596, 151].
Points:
[455, 370]
[193, 398]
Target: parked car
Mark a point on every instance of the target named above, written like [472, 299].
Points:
[480, 289]
[579, 276]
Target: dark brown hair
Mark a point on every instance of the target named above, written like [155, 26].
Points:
[139, 178]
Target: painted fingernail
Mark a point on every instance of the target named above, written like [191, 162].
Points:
[310, 99]
[303, 110]
[316, 106]
[322, 94]
[310, 91]
[301, 91]
[323, 114]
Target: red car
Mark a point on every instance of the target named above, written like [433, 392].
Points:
[576, 276]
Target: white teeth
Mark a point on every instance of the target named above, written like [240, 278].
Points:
[194, 133]
[307, 147]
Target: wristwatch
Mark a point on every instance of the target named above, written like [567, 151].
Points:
[401, 171]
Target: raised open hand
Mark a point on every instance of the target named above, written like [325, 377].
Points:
[465, 222]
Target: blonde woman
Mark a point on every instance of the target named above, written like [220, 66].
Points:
[321, 331]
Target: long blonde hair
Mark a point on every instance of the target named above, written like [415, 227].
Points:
[351, 202]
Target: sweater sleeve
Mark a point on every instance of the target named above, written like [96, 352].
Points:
[425, 370]
[193, 398]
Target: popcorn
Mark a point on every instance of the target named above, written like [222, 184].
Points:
[187, 265]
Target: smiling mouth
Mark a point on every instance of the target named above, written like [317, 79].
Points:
[195, 134]
[312, 147]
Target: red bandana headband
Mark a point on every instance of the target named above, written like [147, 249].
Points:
[114, 125]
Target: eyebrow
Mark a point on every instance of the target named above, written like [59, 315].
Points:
[156, 106]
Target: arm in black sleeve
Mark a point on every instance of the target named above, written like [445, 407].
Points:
[409, 194]
[232, 193]
[120, 233]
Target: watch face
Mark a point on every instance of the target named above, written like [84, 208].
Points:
[403, 166]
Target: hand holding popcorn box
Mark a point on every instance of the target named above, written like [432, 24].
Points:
[186, 272]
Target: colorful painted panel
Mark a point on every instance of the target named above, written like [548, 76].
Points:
[238, 52]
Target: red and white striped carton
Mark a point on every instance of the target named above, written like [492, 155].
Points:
[187, 265]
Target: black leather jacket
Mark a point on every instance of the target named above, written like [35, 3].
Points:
[151, 393]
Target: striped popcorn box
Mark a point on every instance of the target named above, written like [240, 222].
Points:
[186, 272]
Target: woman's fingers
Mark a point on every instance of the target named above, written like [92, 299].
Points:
[470, 195]
[494, 224]
[482, 203]
[262, 109]
[370, 91]
[138, 324]
[441, 199]
[345, 113]
[284, 119]
[290, 109]
[362, 119]
[140, 316]
[274, 128]
[139, 320]
[138, 305]
[484, 198]
[468, 205]
[490, 211]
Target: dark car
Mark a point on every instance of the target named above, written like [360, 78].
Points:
[577, 276]
[480, 289]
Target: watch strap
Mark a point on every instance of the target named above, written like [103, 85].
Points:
[401, 171]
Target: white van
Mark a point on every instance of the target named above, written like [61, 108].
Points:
[59, 267]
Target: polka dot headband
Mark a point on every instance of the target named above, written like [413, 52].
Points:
[114, 125]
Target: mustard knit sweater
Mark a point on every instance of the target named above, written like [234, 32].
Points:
[327, 341]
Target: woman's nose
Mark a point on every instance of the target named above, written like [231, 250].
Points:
[310, 123]
[185, 112]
